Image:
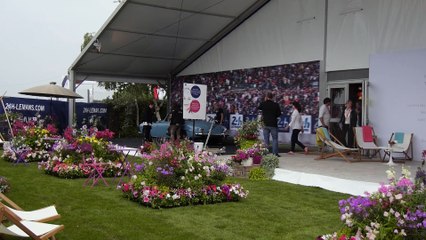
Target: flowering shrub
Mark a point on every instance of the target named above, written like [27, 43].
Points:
[71, 156]
[247, 135]
[176, 176]
[257, 151]
[4, 185]
[31, 141]
[395, 211]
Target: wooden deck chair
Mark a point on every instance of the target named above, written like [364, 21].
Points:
[403, 145]
[40, 215]
[364, 137]
[27, 229]
[338, 148]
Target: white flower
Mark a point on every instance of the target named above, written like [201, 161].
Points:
[405, 172]
[386, 214]
[398, 196]
[183, 177]
[397, 214]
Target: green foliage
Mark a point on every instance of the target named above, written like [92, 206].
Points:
[257, 173]
[128, 105]
[247, 143]
[269, 163]
[248, 131]
[274, 210]
[4, 185]
[86, 39]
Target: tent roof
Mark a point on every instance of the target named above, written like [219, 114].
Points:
[151, 40]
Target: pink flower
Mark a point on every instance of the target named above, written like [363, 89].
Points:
[145, 199]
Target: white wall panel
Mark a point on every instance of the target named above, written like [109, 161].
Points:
[276, 34]
[397, 103]
[382, 26]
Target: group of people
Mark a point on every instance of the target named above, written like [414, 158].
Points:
[270, 112]
[351, 117]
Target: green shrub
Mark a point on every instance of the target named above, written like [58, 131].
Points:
[4, 185]
[257, 173]
[269, 163]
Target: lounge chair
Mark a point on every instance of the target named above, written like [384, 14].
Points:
[329, 140]
[40, 215]
[402, 145]
[28, 229]
[364, 137]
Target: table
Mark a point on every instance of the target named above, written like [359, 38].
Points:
[127, 164]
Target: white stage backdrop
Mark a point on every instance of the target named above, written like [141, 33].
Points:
[397, 93]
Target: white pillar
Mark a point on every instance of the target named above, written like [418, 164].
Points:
[71, 102]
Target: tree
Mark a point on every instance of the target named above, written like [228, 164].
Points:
[86, 39]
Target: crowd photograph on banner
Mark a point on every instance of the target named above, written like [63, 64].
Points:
[240, 92]
[215, 119]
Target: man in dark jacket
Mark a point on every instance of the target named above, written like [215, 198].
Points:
[270, 112]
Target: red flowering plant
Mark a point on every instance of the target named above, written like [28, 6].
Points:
[174, 175]
[32, 140]
[72, 155]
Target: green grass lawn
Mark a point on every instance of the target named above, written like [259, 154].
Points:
[273, 210]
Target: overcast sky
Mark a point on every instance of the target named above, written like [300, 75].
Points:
[40, 39]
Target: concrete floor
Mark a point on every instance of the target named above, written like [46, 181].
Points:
[367, 171]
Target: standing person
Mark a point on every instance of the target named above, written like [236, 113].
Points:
[358, 111]
[220, 116]
[324, 114]
[348, 121]
[270, 112]
[176, 122]
[147, 122]
[296, 124]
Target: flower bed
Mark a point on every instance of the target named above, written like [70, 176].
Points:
[395, 211]
[31, 139]
[72, 155]
[174, 175]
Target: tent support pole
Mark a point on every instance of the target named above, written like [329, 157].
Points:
[71, 102]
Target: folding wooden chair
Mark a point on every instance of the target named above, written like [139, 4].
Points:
[402, 145]
[40, 215]
[364, 137]
[338, 148]
[27, 229]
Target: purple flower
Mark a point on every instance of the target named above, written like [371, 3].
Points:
[139, 167]
[86, 148]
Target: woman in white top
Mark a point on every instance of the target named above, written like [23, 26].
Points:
[296, 125]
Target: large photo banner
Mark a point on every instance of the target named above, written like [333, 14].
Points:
[239, 92]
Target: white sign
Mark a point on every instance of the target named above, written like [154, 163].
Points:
[235, 121]
[194, 101]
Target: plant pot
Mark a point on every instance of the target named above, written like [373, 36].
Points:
[248, 162]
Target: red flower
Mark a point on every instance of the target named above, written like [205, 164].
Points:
[125, 187]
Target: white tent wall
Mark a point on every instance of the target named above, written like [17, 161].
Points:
[282, 32]
[397, 83]
[381, 26]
